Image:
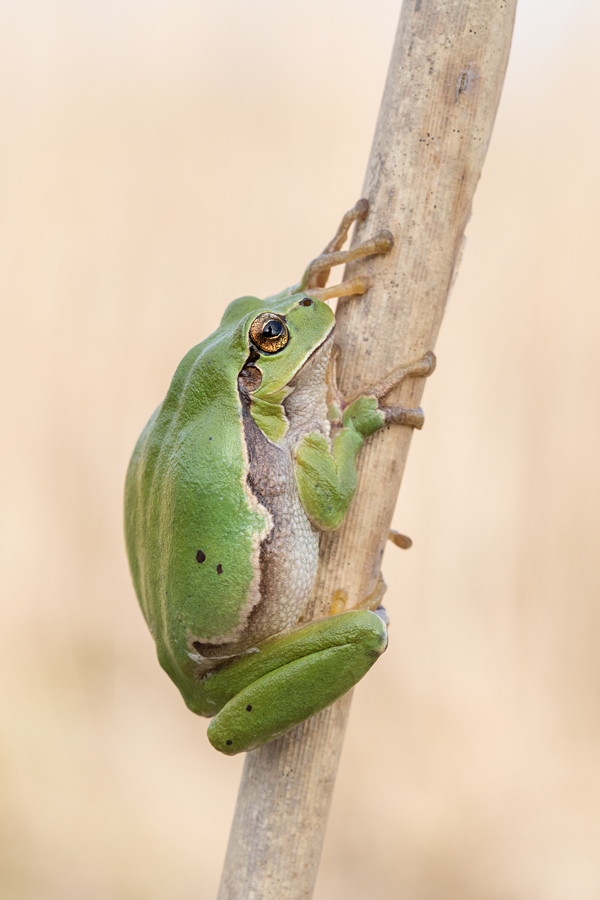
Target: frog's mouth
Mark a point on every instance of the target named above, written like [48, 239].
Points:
[318, 348]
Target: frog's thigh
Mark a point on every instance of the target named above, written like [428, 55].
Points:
[326, 479]
[311, 667]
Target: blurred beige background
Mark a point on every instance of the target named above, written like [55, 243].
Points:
[158, 159]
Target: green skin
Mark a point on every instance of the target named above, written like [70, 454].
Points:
[227, 491]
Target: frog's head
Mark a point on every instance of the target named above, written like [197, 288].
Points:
[284, 335]
[281, 339]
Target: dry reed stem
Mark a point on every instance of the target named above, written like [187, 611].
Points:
[434, 127]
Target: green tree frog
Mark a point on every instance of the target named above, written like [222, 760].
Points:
[250, 456]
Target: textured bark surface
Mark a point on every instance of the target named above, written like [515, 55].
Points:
[434, 127]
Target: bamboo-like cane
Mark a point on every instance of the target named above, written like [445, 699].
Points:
[435, 123]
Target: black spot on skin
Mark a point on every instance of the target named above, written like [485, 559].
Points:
[248, 708]
[229, 743]
[197, 646]
[210, 439]
[200, 556]
[306, 302]
[219, 569]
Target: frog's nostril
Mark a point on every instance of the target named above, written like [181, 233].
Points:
[219, 569]
[200, 556]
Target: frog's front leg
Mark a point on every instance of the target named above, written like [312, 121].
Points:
[360, 410]
[286, 679]
[326, 478]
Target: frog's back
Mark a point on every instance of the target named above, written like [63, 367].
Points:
[193, 527]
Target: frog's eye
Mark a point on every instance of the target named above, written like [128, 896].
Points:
[269, 333]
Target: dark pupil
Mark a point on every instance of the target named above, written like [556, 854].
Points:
[273, 329]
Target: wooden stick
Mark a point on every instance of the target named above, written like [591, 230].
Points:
[438, 109]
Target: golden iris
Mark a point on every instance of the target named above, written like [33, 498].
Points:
[269, 333]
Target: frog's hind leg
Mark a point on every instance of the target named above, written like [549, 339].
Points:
[291, 677]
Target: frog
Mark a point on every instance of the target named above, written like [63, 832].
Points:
[246, 463]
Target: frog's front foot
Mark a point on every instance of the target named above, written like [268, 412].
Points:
[364, 412]
[422, 368]
[381, 243]
[399, 415]
[315, 277]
